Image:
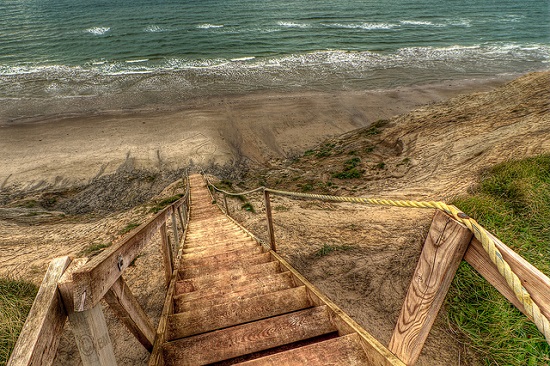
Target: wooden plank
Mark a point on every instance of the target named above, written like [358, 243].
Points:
[345, 350]
[234, 275]
[478, 258]
[534, 281]
[126, 307]
[443, 250]
[93, 280]
[247, 338]
[89, 327]
[377, 354]
[180, 218]
[215, 243]
[231, 287]
[175, 233]
[212, 297]
[211, 268]
[166, 255]
[191, 259]
[225, 205]
[201, 320]
[39, 338]
[223, 260]
[269, 215]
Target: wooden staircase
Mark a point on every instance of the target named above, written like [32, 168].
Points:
[235, 302]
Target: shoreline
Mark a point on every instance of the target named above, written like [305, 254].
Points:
[66, 150]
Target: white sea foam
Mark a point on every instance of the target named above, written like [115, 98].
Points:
[137, 61]
[98, 31]
[154, 29]
[209, 26]
[365, 26]
[460, 22]
[243, 59]
[422, 23]
[292, 25]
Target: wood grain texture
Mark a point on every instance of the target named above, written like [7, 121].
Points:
[166, 254]
[220, 295]
[233, 275]
[39, 338]
[127, 308]
[92, 281]
[203, 320]
[247, 338]
[443, 250]
[478, 258]
[225, 265]
[190, 260]
[175, 232]
[534, 281]
[269, 217]
[89, 327]
[345, 350]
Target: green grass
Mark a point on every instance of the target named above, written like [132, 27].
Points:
[93, 249]
[513, 202]
[325, 150]
[159, 206]
[248, 207]
[350, 170]
[16, 298]
[129, 227]
[329, 248]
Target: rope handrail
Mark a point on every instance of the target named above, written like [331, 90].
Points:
[487, 240]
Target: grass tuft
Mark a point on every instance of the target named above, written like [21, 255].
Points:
[159, 206]
[513, 202]
[16, 298]
[248, 207]
[129, 227]
[329, 248]
[93, 249]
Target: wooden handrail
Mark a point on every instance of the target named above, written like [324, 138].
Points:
[39, 338]
[92, 281]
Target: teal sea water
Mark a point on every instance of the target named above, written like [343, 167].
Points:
[187, 48]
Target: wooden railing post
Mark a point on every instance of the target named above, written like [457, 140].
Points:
[182, 222]
[39, 338]
[443, 250]
[225, 204]
[126, 307]
[166, 254]
[89, 326]
[175, 232]
[269, 221]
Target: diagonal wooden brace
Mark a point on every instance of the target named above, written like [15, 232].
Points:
[126, 307]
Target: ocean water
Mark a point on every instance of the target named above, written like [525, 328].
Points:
[169, 50]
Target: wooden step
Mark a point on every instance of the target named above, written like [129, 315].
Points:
[344, 351]
[248, 338]
[235, 275]
[218, 242]
[188, 258]
[203, 320]
[213, 268]
[251, 287]
[217, 249]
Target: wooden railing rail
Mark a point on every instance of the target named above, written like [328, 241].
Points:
[74, 288]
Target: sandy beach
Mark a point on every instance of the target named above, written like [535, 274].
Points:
[63, 150]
